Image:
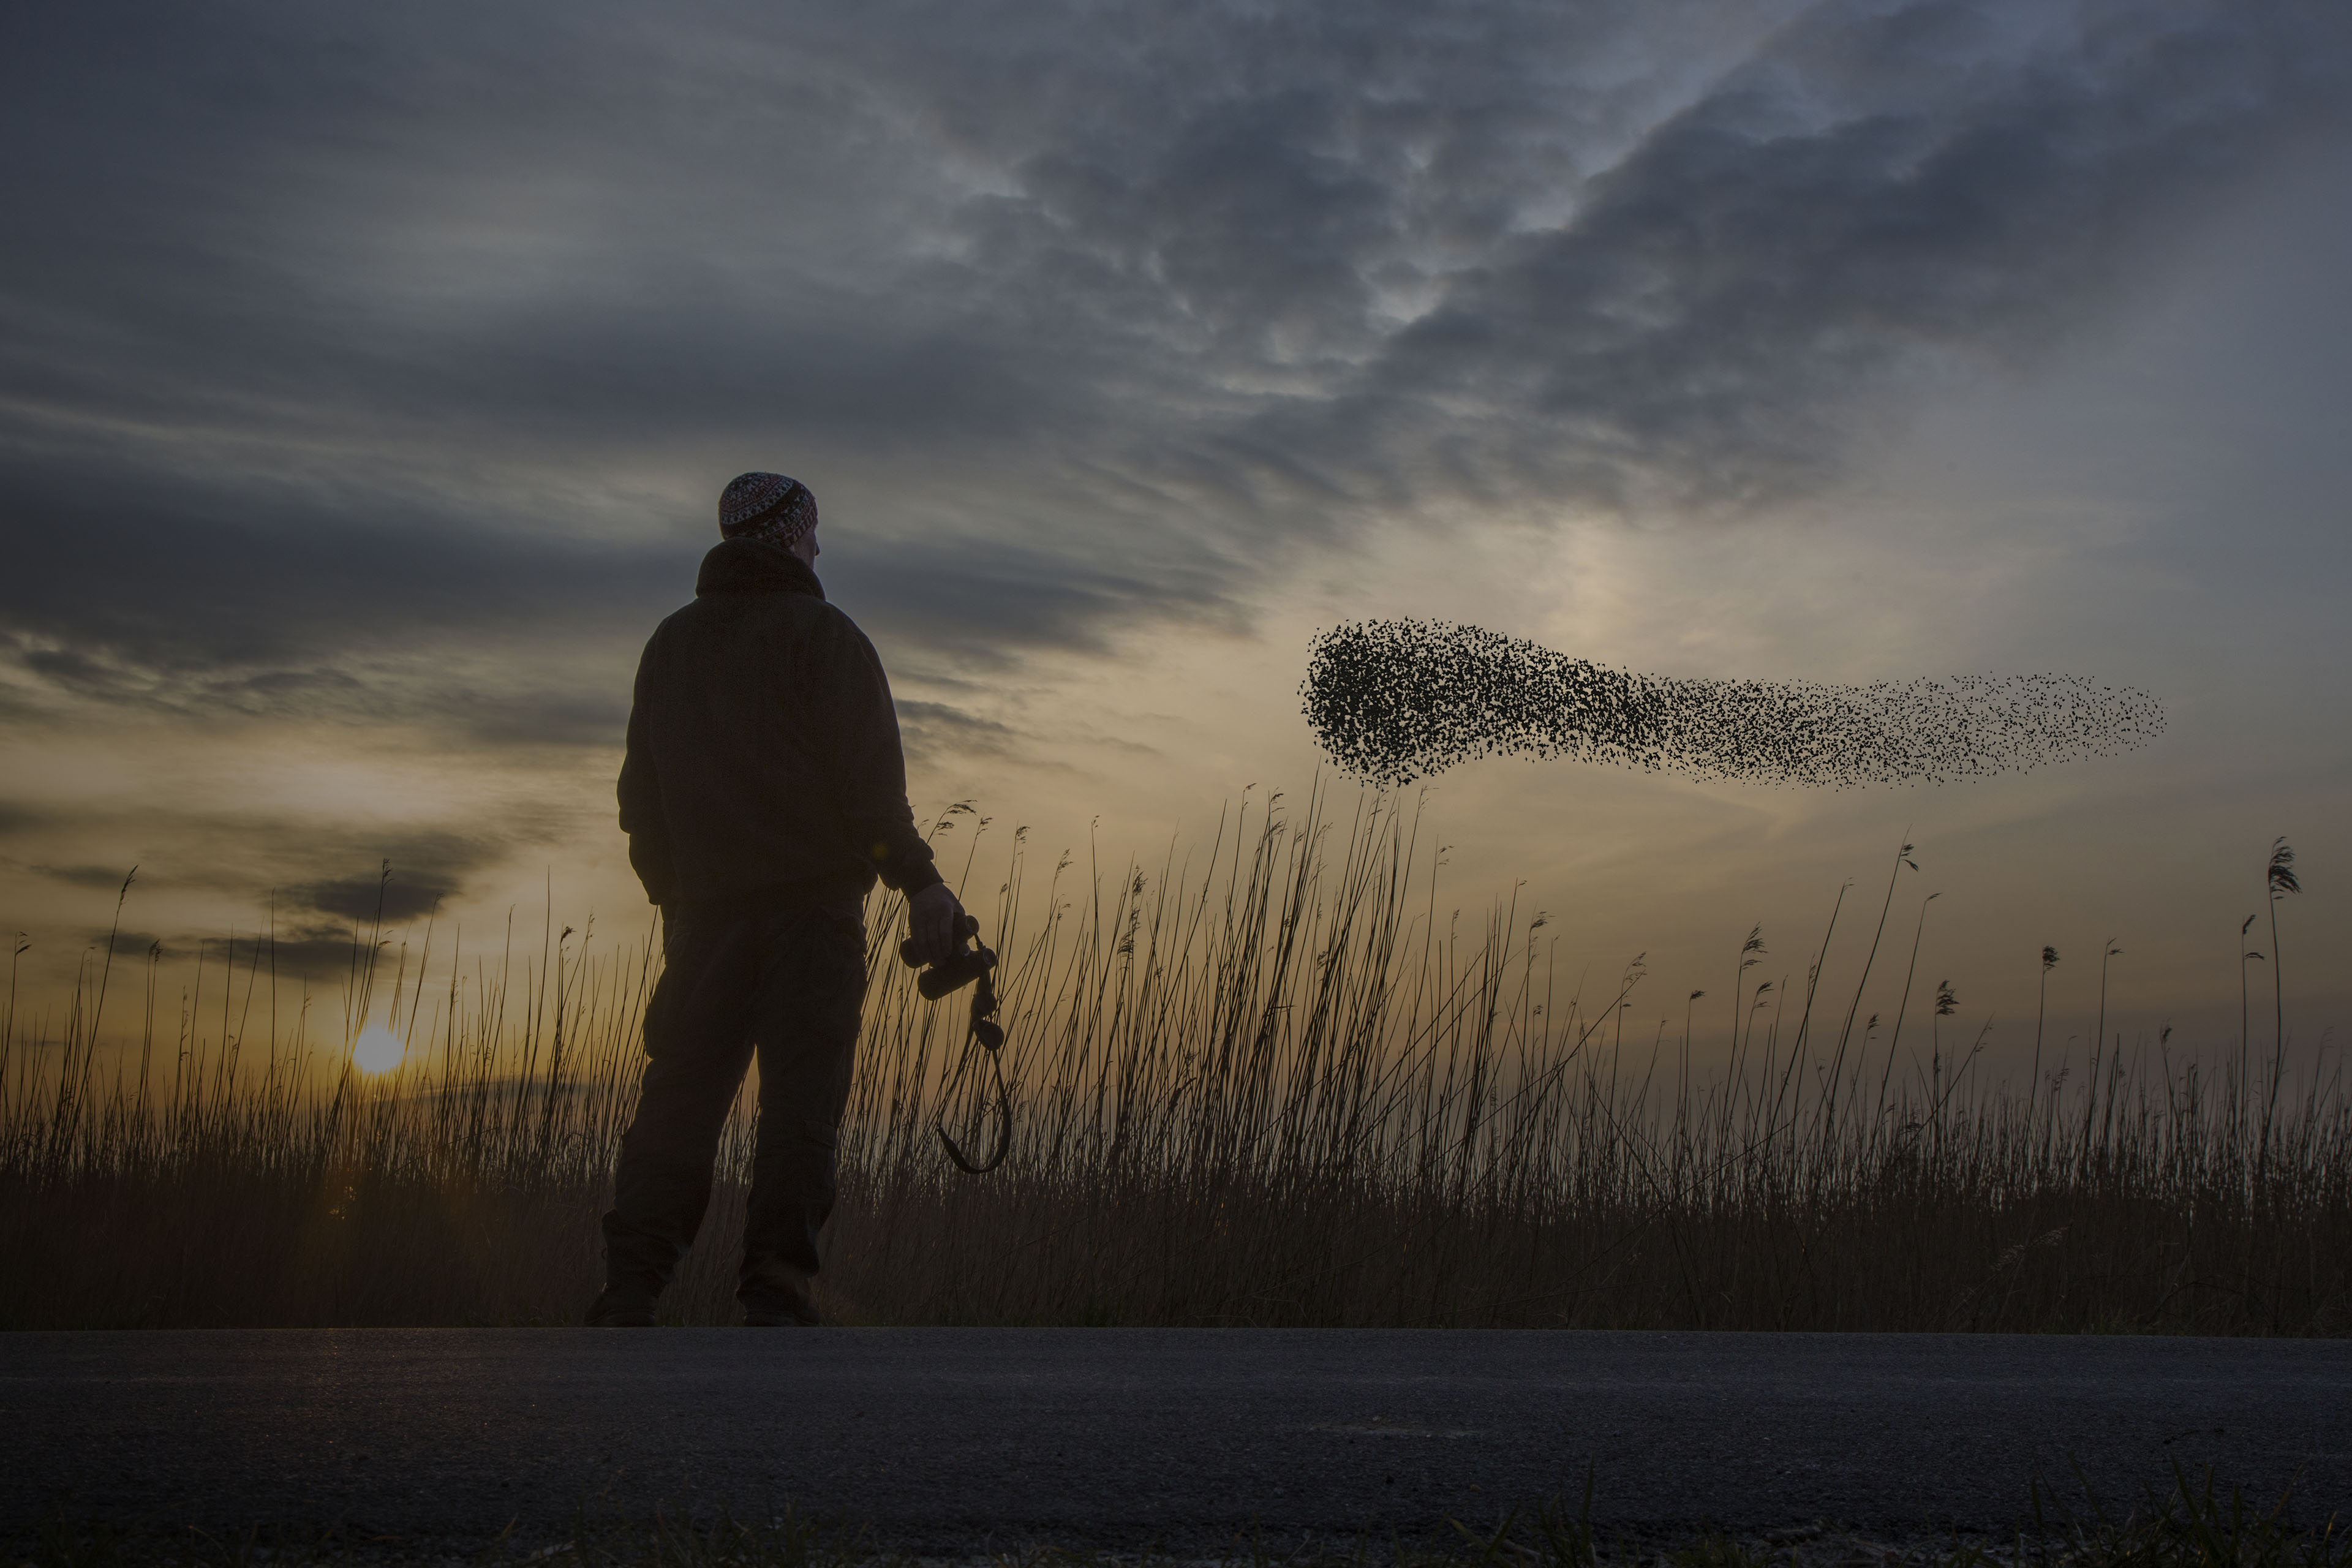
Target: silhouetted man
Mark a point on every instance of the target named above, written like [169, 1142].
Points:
[764, 793]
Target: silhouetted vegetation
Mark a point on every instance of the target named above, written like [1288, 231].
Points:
[1274, 1084]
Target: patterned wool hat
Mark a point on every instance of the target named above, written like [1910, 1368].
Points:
[766, 506]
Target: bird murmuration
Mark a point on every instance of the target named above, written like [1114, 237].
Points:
[1396, 701]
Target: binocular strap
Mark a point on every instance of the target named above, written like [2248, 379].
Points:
[981, 1031]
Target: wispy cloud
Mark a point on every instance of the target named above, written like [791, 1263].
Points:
[341, 350]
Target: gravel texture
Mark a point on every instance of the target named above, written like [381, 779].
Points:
[963, 1440]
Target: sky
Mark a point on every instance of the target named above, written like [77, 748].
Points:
[369, 375]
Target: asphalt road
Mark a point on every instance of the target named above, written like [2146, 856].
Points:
[965, 1438]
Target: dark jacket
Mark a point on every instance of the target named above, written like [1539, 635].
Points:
[763, 767]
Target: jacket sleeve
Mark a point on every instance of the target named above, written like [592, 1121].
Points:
[857, 730]
[650, 854]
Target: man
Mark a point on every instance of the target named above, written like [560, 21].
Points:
[763, 794]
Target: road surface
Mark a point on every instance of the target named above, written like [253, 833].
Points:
[962, 1440]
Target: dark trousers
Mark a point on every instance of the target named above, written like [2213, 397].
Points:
[789, 984]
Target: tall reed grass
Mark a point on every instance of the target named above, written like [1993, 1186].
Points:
[1273, 1081]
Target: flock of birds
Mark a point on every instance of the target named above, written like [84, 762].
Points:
[1396, 701]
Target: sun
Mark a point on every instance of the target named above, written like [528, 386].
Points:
[378, 1050]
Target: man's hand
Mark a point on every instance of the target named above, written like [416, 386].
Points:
[931, 916]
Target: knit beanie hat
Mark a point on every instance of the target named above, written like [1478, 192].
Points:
[766, 506]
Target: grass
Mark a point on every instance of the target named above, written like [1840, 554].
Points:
[2197, 1525]
[1273, 1083]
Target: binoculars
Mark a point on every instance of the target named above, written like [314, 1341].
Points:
[968, 963]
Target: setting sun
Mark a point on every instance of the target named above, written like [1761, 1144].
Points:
[379, 1050]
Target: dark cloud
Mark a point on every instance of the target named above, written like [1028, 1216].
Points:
[288, 868]
[128, 944]
[329, 330]
[430, 868]
[302, 897]
[1880, 180]
[133, 585]
[365, 898]
[297, 953]
[105, 877]
[317, 955]
[937, 730]
[334, 343]
[976, 604]
[16, 819]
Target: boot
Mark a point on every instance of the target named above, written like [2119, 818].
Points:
[775, 1295]
[623, 1304]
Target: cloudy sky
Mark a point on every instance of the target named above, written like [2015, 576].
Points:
[368, 376]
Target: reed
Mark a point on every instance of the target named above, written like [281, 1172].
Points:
[1273, 1080]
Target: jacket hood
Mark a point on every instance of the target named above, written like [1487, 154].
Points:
[754, 566]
